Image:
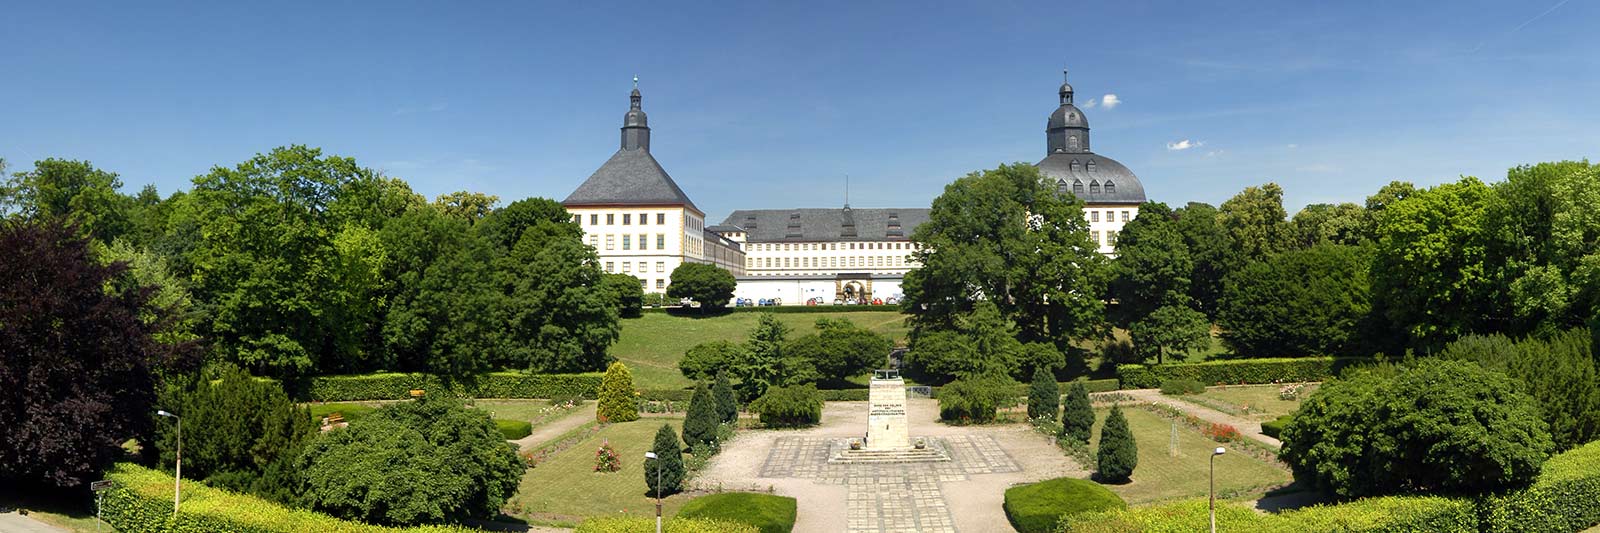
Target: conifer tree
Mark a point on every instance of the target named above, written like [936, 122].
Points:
[1118, 453]
[1077, 416]
[665, 472]
[700, 425]
[617, 403]
[727, 402]
[1044, 395]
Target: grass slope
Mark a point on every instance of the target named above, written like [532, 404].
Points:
[1161, 477]
[772, 514]
[651, 345]
[566, 489]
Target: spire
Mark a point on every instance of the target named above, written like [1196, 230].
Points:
[1066, 89]
[635, 124]
[1067, 131]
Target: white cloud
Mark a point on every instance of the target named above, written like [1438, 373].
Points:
[1110, 100]
[1184, 145]
[1091, 103]
[1293, 146]
[1215, 153]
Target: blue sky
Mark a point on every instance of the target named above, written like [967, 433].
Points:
[770, 105]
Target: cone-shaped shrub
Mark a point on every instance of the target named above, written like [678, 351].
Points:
[1077, 416]
[1118, 454]
[665, 472]
[1044, 395]
[617, 403]
[700, 424]
[727, 403]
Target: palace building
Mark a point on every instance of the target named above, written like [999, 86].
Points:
[637, 218]
[642, 224]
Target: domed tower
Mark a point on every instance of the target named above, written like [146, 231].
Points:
[635, 124]
[1111, 193]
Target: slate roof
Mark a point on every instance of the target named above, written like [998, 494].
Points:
[630, 177]
[1060, 167]
[820, 225]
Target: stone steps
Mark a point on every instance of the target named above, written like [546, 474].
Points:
[926, 455]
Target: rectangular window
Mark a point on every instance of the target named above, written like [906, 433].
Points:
[626, 268]
[627, 219]
[577, 219]
[644, 241]
[609, 265]
[1111, 238]
[594, 220]
[1095, 236]
[594, 241]
[1094, 216]
[644, 284]
[661, 219]
[611, 242]
[661, 266]
[1111, 216]
[661, 241]
[625, 241]
[661, 283]
[1124, 215]
[611, 219]
[644, 218]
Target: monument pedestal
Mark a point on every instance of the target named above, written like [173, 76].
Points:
[888, 436]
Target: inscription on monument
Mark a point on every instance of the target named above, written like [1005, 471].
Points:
[886, 414]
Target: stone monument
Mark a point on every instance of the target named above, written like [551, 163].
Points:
[886, 412]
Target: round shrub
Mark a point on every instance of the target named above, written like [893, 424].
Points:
[1442, 426]
[1036, 507]
[974, 400]
[1181, 386]
[792, 406]
[617, 402]
[768, 513]
[513, 429]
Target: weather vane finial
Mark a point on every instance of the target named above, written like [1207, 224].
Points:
[1063, 74]
[636, 81]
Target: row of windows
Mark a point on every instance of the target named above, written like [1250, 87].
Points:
[627, 219]
[826, 262]
[627, 241]
[628, 266]
[808, 246]
[1111, 238]
[1111, 216]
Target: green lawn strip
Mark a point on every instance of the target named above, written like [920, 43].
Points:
[1262, 400]
[535, 412]
[772, 514]
[1161, 477]
[1036, 507]
[652, 344]
[564, 489]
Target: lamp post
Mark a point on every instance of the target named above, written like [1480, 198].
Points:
[652, 455]
[1219, 451]
[177, 471]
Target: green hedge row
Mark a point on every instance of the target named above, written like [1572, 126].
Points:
[1273, 428]
[1237, 371]
[1037, 507]
[513, 429]
[142, 501]
[1565, 498]
[387, 386]
[628, 524]
[686, 311]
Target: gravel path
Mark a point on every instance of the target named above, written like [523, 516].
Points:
[1246, 427]
[583, 414]
[974, 501]
[14, 522]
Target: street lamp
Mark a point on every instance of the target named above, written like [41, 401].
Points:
[1214, 453]
[652, 455]
[177, 472]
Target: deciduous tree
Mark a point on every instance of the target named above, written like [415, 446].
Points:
[708, 285]
[1315, 301]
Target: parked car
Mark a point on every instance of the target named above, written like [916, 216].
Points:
[892, 301]
[814, 301]
[837, 301]
[877, 301]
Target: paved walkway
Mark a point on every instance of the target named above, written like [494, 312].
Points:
[14, 522]
[582, 414]
[964, 494]
[1248, 428]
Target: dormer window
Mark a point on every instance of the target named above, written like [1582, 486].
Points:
[1075, 165]
[1111, 188]
[1091, 165]
[1077, 187]
[1094, 187]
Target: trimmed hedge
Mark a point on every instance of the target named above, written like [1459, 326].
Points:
[1182, 386]
[1038, 507]
[628, 524]
[1237, 371]
[778, 309]
[513, 429]
[393, 386]
[860, 395]
[1566, 497]
[1273, 428]
[1386, 514]
[142, 501]
[770, 514]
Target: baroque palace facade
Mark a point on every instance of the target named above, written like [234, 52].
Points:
[642, 224]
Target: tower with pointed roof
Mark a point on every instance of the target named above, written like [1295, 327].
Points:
[1111, 193]
[637, 218]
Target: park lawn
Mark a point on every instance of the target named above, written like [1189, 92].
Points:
[1255, 402]
[1161, 477]
[651, 345]
[565, 489]
[540, 412]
